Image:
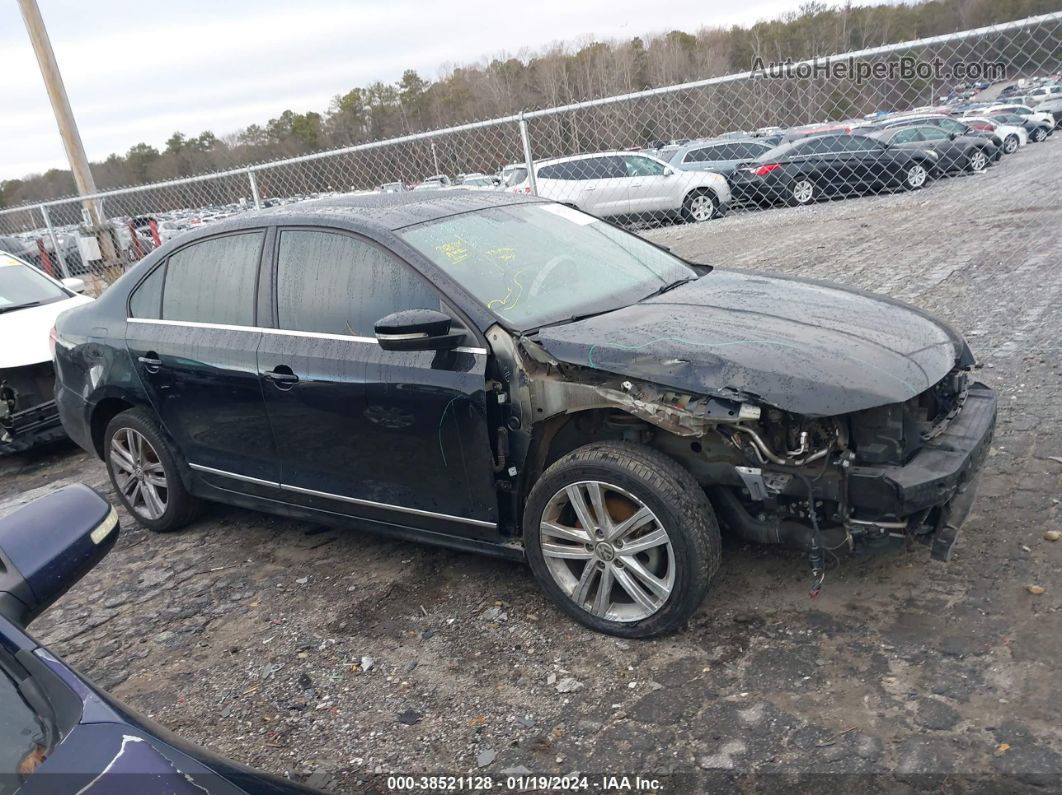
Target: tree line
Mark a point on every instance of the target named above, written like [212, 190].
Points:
[561, 74]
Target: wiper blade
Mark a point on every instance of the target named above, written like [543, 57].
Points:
[669, 287]
[13, 307]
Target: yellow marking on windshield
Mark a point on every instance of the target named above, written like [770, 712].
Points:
[504, 302]
[503, 253]
[455, 250]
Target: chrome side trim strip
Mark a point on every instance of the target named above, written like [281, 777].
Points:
[340, 497]
[371, 504]
[233, 475]
[279, 332]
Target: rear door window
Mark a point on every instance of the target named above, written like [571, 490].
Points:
[605, 167]
[934, 134]
[703, 155]
[334, 283]
[638, 166]
[907, 136]
[214, 280]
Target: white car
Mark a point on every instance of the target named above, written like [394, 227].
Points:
[1024, 110]
[30, 301]
[624, 184]
[477, 182]
[1013, 136]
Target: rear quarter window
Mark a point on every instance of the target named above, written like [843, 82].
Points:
[146, 299]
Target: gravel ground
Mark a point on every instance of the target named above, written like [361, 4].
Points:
[331, 656]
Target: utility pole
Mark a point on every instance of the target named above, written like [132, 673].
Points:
[64, 116]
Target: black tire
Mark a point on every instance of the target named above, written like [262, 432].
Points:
[1011, 144]
[1039, 135]
[977, 160]
[670, 493]
[693, 206]
[181, 507]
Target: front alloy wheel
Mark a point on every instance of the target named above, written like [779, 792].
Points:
[138, 474]
[1039, 134]
[915, 176]
[622, 538]
[1011, 144]
[607, 551]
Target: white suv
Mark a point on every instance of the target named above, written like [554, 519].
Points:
[623, 184]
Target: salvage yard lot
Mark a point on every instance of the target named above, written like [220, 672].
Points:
[296, 648]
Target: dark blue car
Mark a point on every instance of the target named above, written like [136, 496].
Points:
[59, 733]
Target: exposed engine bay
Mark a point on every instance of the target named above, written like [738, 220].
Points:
[27, 410]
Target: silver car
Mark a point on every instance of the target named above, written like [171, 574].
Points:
[629, 185]
[719, 155]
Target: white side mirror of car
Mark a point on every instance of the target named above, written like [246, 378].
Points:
[74, 285]
[668, 171]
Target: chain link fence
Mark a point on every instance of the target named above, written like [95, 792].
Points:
[892, 119]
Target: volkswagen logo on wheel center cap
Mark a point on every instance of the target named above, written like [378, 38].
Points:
[605, 552]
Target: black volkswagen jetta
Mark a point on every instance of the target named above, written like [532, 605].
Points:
[512, 376]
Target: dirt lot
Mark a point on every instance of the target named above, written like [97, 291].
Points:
[296, 648]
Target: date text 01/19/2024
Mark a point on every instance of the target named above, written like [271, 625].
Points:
[523, 783]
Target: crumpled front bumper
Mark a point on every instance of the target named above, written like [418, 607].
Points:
[942, 475]
[24, 429]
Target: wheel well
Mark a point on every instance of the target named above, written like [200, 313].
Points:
[699, 191]
[105, 411]
[556, 437]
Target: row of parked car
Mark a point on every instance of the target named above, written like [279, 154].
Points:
[695, 180]
[692, 180]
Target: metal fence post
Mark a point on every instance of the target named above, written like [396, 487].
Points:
[254, 189]
[55, 242]
[529, 161]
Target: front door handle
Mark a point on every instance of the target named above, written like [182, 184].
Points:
[282, 377]
[151, 361]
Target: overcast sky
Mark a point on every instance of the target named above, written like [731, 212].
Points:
[137, 71]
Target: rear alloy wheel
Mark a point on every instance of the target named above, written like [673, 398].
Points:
[622, 538]
[977, 161]
[1011, 144]
[915, 176]
[699, 206]
[802, 192]
[144, 473]
[1039, 134]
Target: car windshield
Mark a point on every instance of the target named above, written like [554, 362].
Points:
[23, 286]
[535, 264]
[515, 177]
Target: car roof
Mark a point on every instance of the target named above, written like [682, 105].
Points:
[385, 211]
[572, 158]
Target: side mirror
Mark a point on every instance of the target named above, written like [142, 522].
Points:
[668, 171]
[50, 544]
[74, 285]
[417, 330]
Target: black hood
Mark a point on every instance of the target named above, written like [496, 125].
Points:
[805, 347]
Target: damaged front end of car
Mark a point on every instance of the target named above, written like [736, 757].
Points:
[28, 414]
[865, 480]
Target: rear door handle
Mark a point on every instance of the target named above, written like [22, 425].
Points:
[152, 363]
